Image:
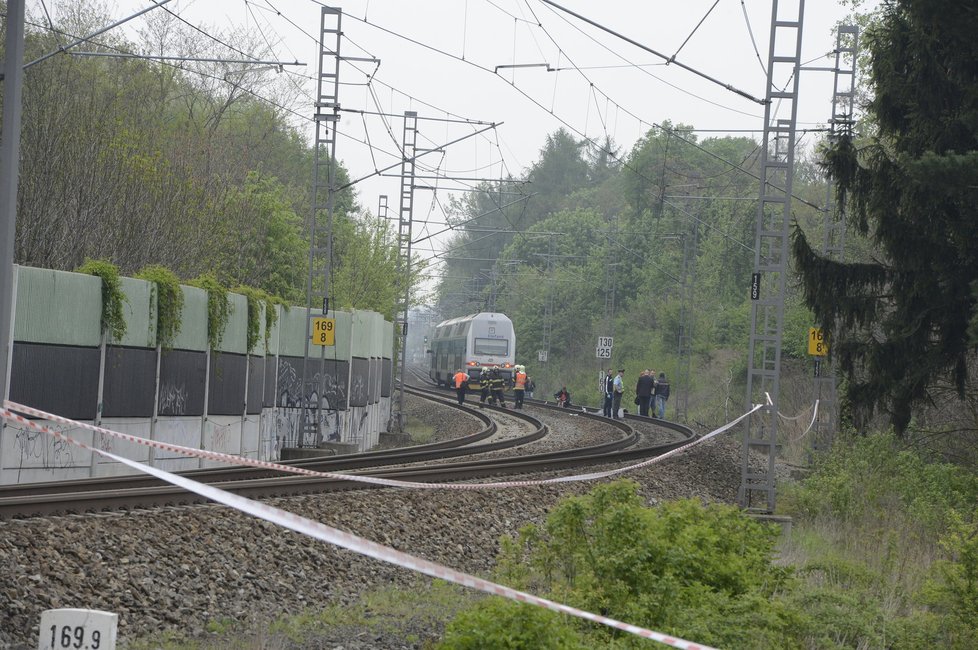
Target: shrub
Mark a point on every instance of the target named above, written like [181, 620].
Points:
[874, 477]
[606, 552]
[953, 588]
[507, 625]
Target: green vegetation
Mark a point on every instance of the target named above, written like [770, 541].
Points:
[169, 302]
[900, 322]
[260, 306]
[884, 543]
[705, 573]
[218, 307]
[508, 625]
[391, 614]
[196, 168]
[113, 321]
[882, 553]
[421, 434]
[647, 225]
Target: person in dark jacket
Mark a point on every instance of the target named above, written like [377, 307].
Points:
[609, 388]
[643, 391]
[496, 385]
[484, 393]
[661, 395]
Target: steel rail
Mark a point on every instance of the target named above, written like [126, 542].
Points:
[77, 500]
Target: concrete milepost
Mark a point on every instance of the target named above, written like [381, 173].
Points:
[603, 349]
[84, 629]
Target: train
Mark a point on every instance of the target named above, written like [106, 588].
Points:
[473, 342]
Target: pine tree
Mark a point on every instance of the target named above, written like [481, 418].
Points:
[900, 324]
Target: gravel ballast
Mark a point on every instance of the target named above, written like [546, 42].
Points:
[177, 569]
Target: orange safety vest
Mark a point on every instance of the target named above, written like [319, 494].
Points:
[460, 379]
[520, 381]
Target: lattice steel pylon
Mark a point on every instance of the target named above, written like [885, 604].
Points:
[406, 211]
[549, 311]
[687, 281]
[326, 117]
[611, 282]
[833, 247]
[771, 255]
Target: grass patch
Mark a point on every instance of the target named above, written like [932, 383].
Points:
[385, 615]
[876, 544]
[421, 433]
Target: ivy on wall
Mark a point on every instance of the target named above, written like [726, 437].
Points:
[169, 302]
[113, 320]
[218, 307]
[257, 298]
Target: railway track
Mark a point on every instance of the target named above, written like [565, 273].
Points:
[413, 464]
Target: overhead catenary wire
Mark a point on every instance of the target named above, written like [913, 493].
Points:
[671, 60]
[533, 100]
[695, 29]
[593, 96]
[753, 41]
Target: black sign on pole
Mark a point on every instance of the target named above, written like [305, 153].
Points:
[325, 305]
[755, 286]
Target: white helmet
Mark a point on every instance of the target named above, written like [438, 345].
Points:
[520, 368]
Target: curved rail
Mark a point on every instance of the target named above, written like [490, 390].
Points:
[418, 453]
[264, 485]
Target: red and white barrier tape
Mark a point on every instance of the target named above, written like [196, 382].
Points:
[251, 462]
[359, 544]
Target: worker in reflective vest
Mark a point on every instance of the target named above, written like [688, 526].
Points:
[496, 387]
[461, 381]
[519, 386]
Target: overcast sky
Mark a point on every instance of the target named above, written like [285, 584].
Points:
[441, 57]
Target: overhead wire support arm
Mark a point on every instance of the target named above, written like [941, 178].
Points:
[155, 57]
[446, 120]
[416, 156]
[668, 59]
[64, 48]
[525, 65]
[449, 177]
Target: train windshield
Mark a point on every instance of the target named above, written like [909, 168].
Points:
[492, 347]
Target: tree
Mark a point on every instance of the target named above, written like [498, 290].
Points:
[899, 324]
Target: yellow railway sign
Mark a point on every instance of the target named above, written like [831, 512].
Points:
[323, 331]
[818, 346]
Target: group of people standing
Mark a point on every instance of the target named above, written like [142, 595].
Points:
[492, 386]
[649, 392]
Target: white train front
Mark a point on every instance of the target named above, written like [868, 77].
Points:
[473, 342]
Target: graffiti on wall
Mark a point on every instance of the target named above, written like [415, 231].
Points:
[295, 422]
[220, 435]
[41, 449]
[103, 441]
[360, 426]
[269, 444]
[358, 390]
[173, 399]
